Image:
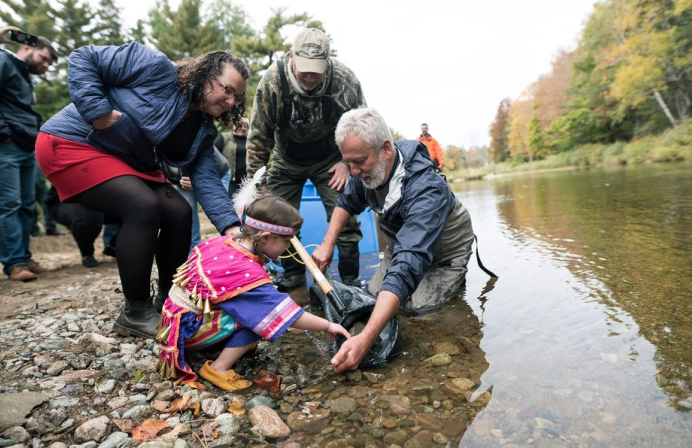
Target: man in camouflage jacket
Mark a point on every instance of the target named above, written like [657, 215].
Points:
[295, 124]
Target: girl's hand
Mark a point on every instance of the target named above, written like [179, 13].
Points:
[335, 329]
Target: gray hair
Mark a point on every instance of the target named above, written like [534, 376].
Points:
[365, 123]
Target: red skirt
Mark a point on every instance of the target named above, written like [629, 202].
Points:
[73, 167]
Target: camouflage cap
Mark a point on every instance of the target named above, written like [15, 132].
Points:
[311, 51]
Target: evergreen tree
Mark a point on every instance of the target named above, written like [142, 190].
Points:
[499, 132]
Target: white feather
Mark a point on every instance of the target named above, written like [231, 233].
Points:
[247, 192]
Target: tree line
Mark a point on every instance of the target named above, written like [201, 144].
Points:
[196, 26]
[629, 76]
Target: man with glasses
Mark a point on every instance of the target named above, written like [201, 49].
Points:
[298, 103]
[19, 124]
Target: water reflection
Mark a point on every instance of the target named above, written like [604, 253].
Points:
[588, 331]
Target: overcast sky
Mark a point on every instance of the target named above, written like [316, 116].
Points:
[444, 62]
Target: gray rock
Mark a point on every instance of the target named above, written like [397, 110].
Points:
[128, 349]
[57, 445]
[57, 367]
[157, 444]
[105, 387]
[355, 375]
[229, 424]
[344, 405]
[16, 406]
[114, 440]
[213, 407]
[260, 400]
[95, 429]
[267, 422]
[16, 434]
[6, 442]
[180, 443]
[137, 412]
[63, 402]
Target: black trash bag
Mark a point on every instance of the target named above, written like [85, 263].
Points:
[351, 308]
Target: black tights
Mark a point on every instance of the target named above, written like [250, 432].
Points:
[144, 208]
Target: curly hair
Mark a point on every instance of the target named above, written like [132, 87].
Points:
[196, 73]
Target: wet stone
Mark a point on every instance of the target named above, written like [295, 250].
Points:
[438, 360]
[355, 375]
[343, 405]
[447, 347]
[228, 424]
[260, 400]
[267, 422]
[397, 437]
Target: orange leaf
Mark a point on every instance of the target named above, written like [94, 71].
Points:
[196, 385]
[237, 408]
[178, 405]
[196, 409]
[148, 430]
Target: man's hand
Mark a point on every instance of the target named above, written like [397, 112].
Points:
[323, 255]
[340, 176]
[186, 183]
[106, 121]
[5, 32]
[351, 354]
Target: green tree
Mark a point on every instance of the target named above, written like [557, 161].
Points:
[184, 32]
[109, 27]
[261, 49]
[32, 16]
[536, 142]
[499, 132]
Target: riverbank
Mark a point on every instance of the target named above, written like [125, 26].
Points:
[671, 146]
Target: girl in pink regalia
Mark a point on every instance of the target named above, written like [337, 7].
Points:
[222, 296]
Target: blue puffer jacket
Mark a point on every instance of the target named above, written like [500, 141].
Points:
[414, 215]
[140, 83]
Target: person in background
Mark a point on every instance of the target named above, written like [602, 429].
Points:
[132, 107]
[434, 148]
[84, 224]
[49, 224]
[233, 145]
[428, 231]
[298, 103]
[19, 125]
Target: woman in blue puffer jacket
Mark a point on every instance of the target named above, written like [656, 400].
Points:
[133, 108]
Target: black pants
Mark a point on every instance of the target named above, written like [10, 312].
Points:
[85, 224]
[157, 222]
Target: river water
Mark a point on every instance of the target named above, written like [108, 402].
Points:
[587, 334]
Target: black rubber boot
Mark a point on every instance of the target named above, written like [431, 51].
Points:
[137, 319]
[348, 269]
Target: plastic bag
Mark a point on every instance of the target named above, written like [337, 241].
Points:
[353, 313]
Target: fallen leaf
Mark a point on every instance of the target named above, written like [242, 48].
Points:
[237, 408]
[148, 430]
[196, 385]
[196, 409]
[178, 405]
[175, 433]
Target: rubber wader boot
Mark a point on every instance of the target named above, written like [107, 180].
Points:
[348, 269]
[138, 319]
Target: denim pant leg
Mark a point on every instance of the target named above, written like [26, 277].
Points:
[192, 200]
[17, 206]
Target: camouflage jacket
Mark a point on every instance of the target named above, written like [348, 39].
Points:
[306, 126]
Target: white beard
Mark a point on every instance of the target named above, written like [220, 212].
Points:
[375, 177]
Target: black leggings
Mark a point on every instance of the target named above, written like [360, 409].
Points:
[144, 208]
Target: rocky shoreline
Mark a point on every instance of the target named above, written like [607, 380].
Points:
[68, 380]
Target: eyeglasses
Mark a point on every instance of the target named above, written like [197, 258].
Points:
[230, 92]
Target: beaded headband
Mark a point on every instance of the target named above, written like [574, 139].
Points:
[267, 227]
